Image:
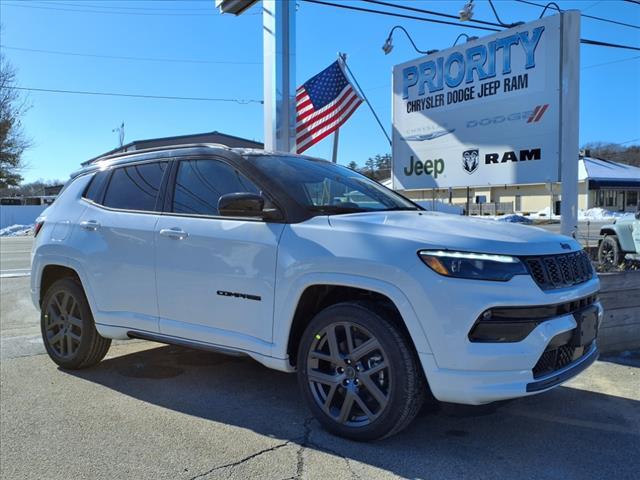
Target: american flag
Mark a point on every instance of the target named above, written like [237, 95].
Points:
[323, 104]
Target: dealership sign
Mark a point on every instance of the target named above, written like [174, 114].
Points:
[489, 112]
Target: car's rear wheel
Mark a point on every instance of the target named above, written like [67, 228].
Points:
[359, 372]
[609, 253]
[68, 330]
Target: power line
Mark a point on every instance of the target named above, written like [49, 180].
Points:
[593, 17]
[105, 12]
[609, 63]
[117, 57]
[429, 12]
[161, 97]
[398, 15]
[432, 20]
[587, 41]
[84, 3]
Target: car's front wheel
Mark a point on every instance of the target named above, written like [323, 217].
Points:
[68, 330]
[359, 373]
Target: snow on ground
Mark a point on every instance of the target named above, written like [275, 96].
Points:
[16, 231]
[600, 214]
[591, 215]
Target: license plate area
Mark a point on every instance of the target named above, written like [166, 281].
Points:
[586, 326]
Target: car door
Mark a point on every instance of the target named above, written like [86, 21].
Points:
[215, 275]
[116, 235]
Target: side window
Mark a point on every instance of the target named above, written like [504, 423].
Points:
[135, 187]
[201, 183]
[96, 186]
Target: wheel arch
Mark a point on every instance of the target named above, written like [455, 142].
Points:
[52, 273]
[318, 295]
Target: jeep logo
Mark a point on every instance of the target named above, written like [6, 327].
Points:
[428, 167]
[522, 156]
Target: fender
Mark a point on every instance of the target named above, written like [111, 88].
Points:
[286, 304]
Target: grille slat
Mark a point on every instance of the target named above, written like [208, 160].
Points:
[559, 271]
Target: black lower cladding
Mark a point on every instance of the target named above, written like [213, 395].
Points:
[513, 324]
[590, 355]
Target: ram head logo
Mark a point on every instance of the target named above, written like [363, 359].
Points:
[470, 160]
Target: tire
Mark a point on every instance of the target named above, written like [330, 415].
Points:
[609, 252]
[68, 330]
[367, 391]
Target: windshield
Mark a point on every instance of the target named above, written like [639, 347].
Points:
[328, 188]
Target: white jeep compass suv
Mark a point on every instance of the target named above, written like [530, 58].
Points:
[308, 266]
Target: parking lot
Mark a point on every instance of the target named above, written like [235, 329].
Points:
[150, 411]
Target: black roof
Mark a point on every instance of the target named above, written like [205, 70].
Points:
[209, 137]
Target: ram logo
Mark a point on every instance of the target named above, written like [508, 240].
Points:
[470, 160]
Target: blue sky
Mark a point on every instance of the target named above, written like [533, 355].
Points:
[67, 129]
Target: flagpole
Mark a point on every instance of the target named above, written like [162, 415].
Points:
[344, 62]
[336, 136]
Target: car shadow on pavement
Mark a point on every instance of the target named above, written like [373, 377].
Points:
[565, 433]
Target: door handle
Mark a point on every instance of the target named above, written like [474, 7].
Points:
[175, 233]
[90, 225]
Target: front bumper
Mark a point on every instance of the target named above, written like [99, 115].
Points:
[482, 385]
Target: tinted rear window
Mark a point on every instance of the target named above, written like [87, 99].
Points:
[135, 187]
[96, 187]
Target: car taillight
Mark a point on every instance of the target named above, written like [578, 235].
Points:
[37, 228]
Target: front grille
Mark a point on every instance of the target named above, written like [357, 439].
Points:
[559, 271]
[557, 358]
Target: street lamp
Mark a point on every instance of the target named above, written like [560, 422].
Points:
[235, 7]
[388, 44]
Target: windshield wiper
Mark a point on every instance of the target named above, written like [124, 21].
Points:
[336, 209]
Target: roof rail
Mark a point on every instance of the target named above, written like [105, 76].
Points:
[156, 149]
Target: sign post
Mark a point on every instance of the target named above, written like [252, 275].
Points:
[569, 122]
[279, 33]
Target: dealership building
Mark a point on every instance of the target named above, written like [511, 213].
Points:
[601, 183]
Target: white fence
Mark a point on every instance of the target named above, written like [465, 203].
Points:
[19, 214]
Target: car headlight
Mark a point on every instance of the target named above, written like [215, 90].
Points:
[478, 266]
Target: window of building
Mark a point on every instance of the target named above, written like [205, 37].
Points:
[135, 187]
[201, 183]
[632, 198]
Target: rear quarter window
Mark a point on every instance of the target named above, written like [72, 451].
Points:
[135, 187]
[96, 187]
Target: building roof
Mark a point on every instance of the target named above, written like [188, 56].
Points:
[606, 173]
[209, 137]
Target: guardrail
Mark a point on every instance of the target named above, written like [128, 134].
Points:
[620, 296]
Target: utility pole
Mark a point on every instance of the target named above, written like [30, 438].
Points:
[279, 60]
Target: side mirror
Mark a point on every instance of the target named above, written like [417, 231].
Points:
[241, 204]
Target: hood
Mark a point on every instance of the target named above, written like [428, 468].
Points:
[455, 232]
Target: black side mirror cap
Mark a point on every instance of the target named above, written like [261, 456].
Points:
[242, 204]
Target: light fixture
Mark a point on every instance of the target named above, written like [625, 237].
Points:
[466, 13]
[388, 43]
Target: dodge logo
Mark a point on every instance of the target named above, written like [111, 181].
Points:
[470, 160]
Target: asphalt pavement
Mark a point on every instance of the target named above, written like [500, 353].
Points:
[150, 411]
[15, 256]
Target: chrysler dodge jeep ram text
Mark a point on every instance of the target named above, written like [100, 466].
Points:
[308, 266]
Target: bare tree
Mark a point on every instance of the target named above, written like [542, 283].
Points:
[13, 141]
[629, 154]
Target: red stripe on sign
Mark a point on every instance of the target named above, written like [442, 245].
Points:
[327, 119]
[533, 115]
[301, 93]
[542, 110]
